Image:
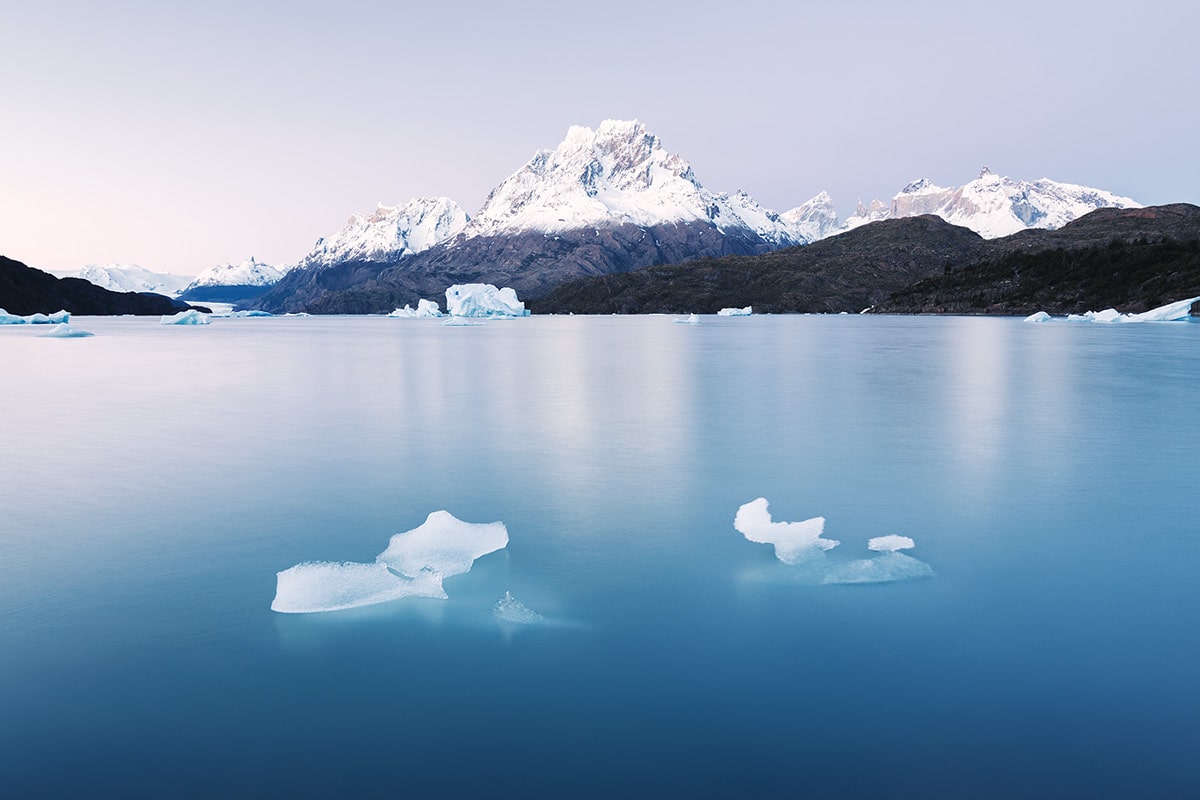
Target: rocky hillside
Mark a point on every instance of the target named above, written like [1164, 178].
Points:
[25, 290]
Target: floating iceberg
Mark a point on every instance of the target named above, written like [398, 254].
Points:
[10, 319]
[1040, 316]
[510, 609]
[1171, 312]
[189, 317]
[691, 319]
[736, 312]
[425, 308]
[483, 300]
[65, 331]
[890, 544]
[57, 318]
[251, 313]
[794, 541]
[414, 565]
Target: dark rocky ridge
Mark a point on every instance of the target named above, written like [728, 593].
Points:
[25, 290]
[225, 293]
[531, 263]
[1108, 258]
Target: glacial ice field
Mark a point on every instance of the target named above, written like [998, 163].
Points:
[821, 556]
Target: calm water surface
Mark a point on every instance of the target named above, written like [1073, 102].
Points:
[156, 478]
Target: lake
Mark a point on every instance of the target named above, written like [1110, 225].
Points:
[158, 477]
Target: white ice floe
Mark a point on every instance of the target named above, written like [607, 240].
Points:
[65, 331]
[1171, 312]
[189, 317]
[794, 541]
[890, 543]
[425, 308]
[57, 318]
[736, 312]
[483, 300]
[510, 609]
[1040, 316]
[414, 565]
[690, 319]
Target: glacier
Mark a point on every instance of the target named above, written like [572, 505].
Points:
[483, 300]
[414, 564]
[189, 317]
[425, 308]
[131, 278]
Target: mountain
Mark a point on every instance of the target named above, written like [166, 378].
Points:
[232, 283]
[1130, 259]
[813, 220]
[604, 201]
[131, 278]
[389, 233]
[995, 206]
[25, 290]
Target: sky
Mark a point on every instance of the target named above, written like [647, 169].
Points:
[178, 136]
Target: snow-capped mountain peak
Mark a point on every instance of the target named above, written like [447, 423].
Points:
[390, 233]
[814, 219]
[131, 278]
[617, 174]
[247, 273]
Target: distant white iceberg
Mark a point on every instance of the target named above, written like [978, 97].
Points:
[189, 317]
[414, 565]
[1040, 316]
[65, 331]
[736, 312]
[425, 308]
[690, 319]
[254, 312]
[483, 300]
[57, 318]
[1172, 312]
[794, 541]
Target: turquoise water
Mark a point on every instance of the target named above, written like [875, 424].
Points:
[156, 479]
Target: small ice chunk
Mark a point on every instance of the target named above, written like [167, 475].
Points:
[736, 312]
[425, 308]
[189, 317]
[691, 319]
[510, 609]
[254, 312]
[886, 568]
[483, 300]
[794, 541]
[891, 543]
[335, 586]
[1040, 316]
[443, 545]
[65, 331]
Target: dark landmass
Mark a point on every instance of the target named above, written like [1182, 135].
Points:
[232, 293]
[1129, 259]
[25, 290]
[531, 263]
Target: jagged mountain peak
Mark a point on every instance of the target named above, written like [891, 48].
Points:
[390, 233]
[619, 173]
[248, 273]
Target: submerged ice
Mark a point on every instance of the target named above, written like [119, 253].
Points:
[414, 565]
[510, 609]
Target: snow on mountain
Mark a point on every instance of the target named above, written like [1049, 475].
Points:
[247, 273]
[390, 233]
[863, 214]
[617, 174]
[131, 278]
[814, 219]
[994, 206]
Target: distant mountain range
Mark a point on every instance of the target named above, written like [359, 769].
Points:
[25, 290]
[1130, 259]
[609, 201]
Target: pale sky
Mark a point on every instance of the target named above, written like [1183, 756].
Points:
[177, 136]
